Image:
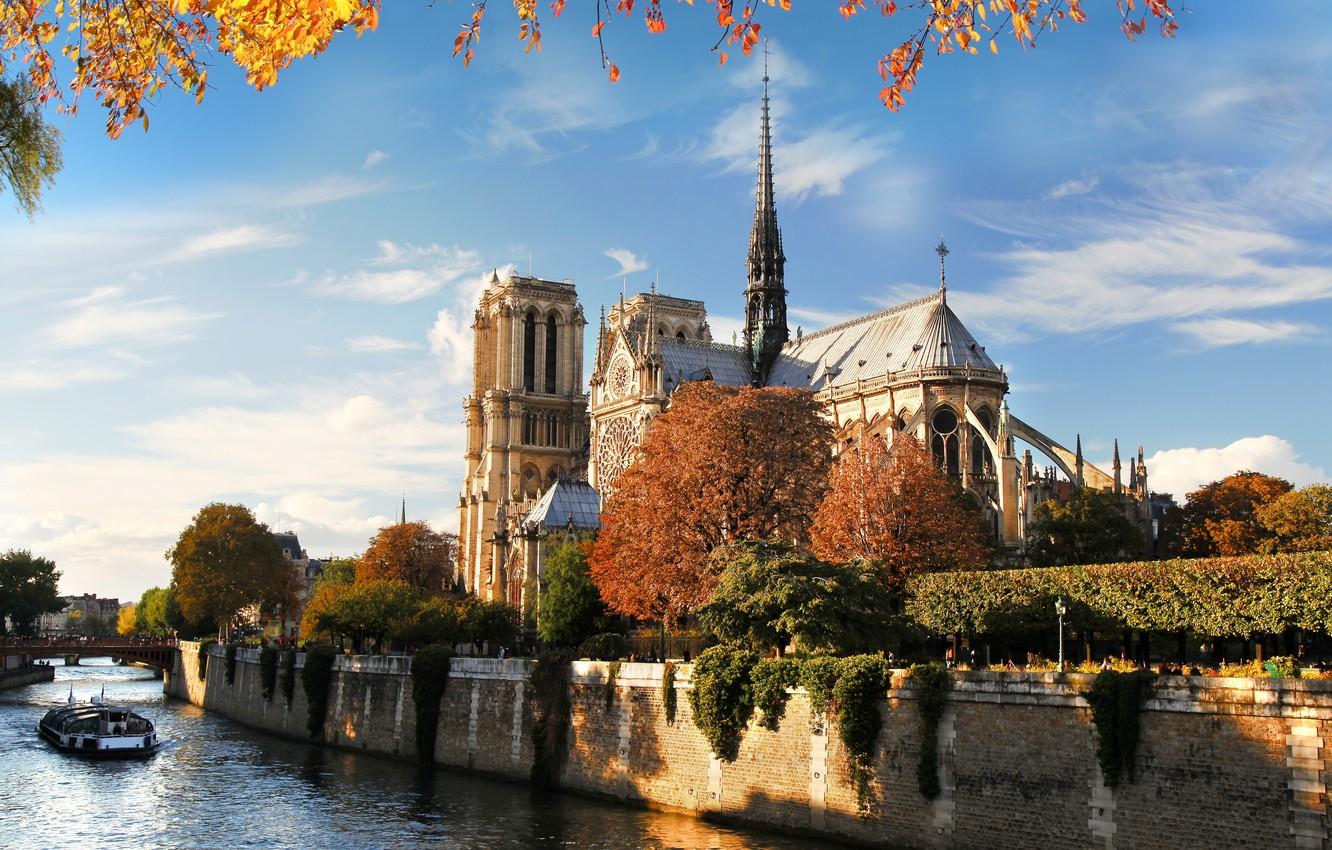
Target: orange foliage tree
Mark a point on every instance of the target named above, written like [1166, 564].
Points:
[721, 465]
[1222, 518]
[895, 508]
[410, 552]
[126, 52]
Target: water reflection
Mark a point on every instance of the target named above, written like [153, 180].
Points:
[214, 784]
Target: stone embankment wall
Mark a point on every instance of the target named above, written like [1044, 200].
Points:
[16, 676]
[1223, 763]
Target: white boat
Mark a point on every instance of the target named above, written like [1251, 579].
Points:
[99, 730]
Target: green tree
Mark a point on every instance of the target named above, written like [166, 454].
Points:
[371, 611]
[771, 594]
[492, 621]
[29, 588]
[439, 620]
[337, 571]
[29, 147]
[1299, 521]
[225, 560]
[1090, 528]
[571, 607]
[150, 614]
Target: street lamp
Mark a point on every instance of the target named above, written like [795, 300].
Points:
[1061, 608]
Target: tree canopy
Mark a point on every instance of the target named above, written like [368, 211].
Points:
[150, 614]
[720, 465]
[895, 508]
[29, 147]
[409, 552]
[29, 588]
[1089, 528]
[225, 560]
[1299, 520]
[125, 626]
[1221, 518]
[571, 610]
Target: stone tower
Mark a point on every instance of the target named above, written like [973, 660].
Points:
[765, 294]
[526, 417]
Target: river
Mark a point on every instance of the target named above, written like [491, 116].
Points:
[215, 784]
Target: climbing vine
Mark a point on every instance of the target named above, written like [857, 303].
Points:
[289, 675]
[231, 663]
[859, 689]
[668, 690]
[315, 677]
[931, 683]
[430, 677]
[722, 698]
[772, 677]
[818, 676]
[268, 671]
[612, 673]
[203, 658]
[550, 686]
[1116, 704]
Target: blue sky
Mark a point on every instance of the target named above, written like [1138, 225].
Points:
[265, 298]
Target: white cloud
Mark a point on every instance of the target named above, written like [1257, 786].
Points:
[629, 262]
[107, 317]
[450, 337]
[322, 190]
[1069, 188]
[1179, 471]
[375, 157]
[442, 266]
[225, 240]
[1211, 333]
[373, 344]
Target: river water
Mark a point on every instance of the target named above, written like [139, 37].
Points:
[215, 784]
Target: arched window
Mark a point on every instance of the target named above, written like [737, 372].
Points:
[943, 444]
[551, 357]
[981, 462]
[529, 352]
[680, 336]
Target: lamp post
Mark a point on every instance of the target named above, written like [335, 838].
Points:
[1061, 608]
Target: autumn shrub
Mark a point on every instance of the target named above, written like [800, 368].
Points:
[231, 663]
[268, 671]
[771, 678]
[818, 676]
[1248, 670]
[1116, 703]
[931, 683]
[316, 676]
[604, 647]
[858, 692]
[430, 678]
[289, 675]
[722, 697]
[550, 688]
[668, 690]
[1282, 667]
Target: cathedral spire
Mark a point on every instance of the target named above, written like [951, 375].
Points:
[942, 250]
[1118, 485]
[765, 294]
[1077, 463]
[403, 519]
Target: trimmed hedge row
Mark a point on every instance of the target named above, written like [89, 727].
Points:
[1223, 597]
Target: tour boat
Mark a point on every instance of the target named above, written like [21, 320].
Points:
[98, 730]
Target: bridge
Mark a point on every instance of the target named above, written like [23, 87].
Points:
[155, 653]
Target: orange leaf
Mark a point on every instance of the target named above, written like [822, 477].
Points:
[596, 30]
[614, 73]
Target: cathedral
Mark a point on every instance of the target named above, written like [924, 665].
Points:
[542, 453]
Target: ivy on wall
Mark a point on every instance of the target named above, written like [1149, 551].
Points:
[722, 698]
[268, 671]
[612, 673]
[289, 675]
[316, 676]
[231, 664]
[203, 658]
[430, 678]
[859, 690]
[771, 678]
[818, 676]
[931, 683]
[550, 686]
[668, 690]
[1116, 702]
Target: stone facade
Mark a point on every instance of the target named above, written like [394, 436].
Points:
[1223, 763]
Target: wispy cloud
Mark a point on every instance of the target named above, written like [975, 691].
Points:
[1069, 188]
[226, 240]
[375, 157]
[629, 262]
[1216, 332]
[433, 267]
[106, 317]
[373, 344]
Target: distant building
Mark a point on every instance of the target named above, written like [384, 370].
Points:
[88, 614]
[307, 571]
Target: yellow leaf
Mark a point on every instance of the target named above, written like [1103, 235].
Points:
[994, 48]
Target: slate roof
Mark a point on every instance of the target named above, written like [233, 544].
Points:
[287, 540]
[921, 333]
[568, 498]
[691, 360]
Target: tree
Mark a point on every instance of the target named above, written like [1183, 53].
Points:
[895, 508]
[571, 608]
[371, 611]
[315, 620]
[29, 588]
[1299, 520]
[409, 552]
[1221, 518]
[224, 560]
[337, 571]
[29, 147]
[125, 625]
[1090, 528]
[150, 614]
[720, 465]
[125, 53]
[770, 595]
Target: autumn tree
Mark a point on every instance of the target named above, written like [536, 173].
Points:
[571, 609]
[894, 507]
[1221, 518]
[770, 594]
[1298, 520]
[125, 621]
[720, 465]
[1089, 528]
[225, 560]
[409, 552]
[371, 610]
[29, 147]
[29, 588]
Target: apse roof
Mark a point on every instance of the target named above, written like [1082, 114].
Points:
[568, 500]
[921, 333]
[690, 360]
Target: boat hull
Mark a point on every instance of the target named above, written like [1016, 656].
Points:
[138, 752]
